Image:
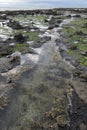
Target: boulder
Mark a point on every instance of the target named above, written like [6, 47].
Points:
[19, 38]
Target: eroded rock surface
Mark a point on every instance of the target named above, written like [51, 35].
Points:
[44, 89]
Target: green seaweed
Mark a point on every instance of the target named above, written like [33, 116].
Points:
[76, 31]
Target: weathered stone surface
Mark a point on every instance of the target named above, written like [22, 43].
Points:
[5, 49]
[49, 94]
[3, 16]
[84, 53]
[19, 38]
[9, 63]
[73, 47]
[44, 39]
[14, 24]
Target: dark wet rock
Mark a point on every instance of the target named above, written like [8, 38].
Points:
[46, 20]
[30, 27]
[80, 70]
[63, 127]
[14, 60]
[36, 44]
[77, 16]
[54, 22]
[79, 32]
[84, 53]
[84, 76]
[8, 41]
[83, 126]
[4, 65]
[42, 88]
[3, 16]
[19, 38]
[73, 47]
[73, 61]
[85, 25]
[9, 63]
[44, 39]
[4, 90]
[5, 49]
[56, 25]
[28, 49]
[2, 79]
[14, 24]
[78, 112]
[51, 27]
[80, 84]
[77, 73]
[69, 16]
[40, 41]
[3, 101]
[59, 21]
[58, 41]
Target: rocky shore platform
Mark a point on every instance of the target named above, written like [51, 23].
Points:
[43, 69]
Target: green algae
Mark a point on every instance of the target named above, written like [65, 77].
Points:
[75, 33]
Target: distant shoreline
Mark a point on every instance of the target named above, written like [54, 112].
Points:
[9, 9]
